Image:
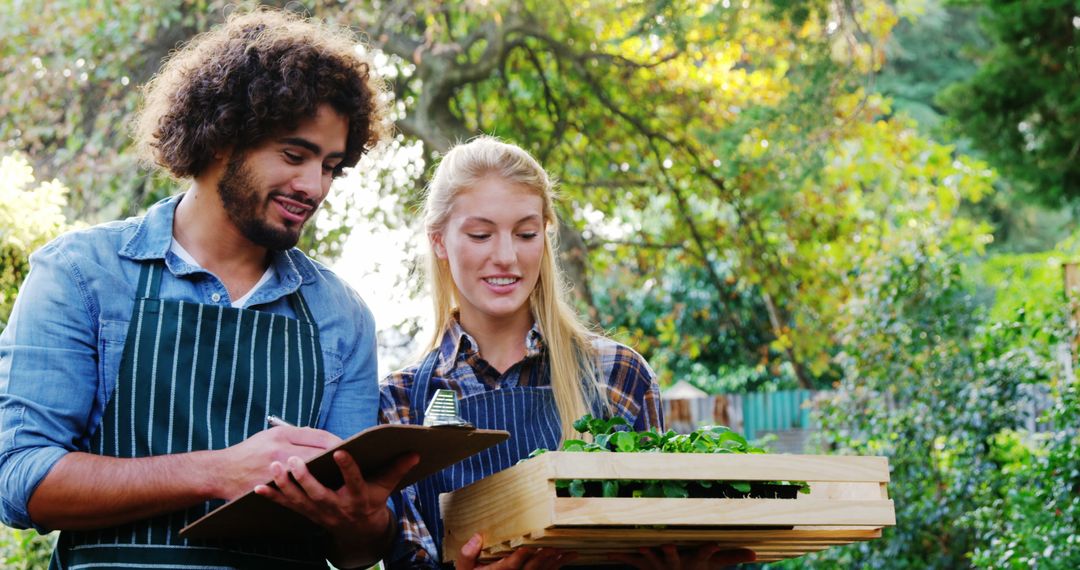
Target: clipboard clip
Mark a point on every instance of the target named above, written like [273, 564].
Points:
[442, 411]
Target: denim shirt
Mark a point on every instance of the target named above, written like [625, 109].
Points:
[61, 350]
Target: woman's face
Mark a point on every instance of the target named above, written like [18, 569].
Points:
[493, 242]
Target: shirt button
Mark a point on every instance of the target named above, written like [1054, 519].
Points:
[215, 297]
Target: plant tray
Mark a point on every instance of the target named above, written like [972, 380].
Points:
[848, 502]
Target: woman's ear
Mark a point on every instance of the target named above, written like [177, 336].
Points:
[437, 244]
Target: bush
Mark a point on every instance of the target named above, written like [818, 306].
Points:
[25, 549]
[934, 383]
[29, 217]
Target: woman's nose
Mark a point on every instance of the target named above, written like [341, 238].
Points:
[504, 254]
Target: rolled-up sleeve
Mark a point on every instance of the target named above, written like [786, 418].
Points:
[355, 403]
[48, 379]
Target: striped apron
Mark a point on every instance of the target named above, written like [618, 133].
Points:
[198, 377]
[528, 413]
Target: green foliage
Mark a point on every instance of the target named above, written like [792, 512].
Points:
[604, 436]
[696, 144]
[723, 163]
[931, 48]
[935, 384]
[1020, 286]
[25, 549]
[30, 215]
[691, 330]
[1021, 107]
[71, 75]
[1033, 522]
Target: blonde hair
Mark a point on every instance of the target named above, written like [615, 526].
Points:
[571, 356]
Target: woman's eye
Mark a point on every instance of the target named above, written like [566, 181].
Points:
[528, 235]
[479, 236]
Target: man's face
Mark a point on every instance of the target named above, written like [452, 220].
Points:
[271, 190]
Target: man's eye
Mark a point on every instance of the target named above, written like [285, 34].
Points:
[292, 156]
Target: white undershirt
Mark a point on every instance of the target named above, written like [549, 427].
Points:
[239, 303]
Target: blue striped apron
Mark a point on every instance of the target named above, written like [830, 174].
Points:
[528, 413]
[200, 377]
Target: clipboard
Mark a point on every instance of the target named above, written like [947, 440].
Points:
[254, 516]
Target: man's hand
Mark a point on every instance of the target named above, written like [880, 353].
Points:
[84, 491]
[355, 514]
[525, 558]
[707, 557]
[250, 462]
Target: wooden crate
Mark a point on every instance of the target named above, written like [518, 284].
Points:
[848, 502]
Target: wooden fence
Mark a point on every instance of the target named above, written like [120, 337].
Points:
[787, 414]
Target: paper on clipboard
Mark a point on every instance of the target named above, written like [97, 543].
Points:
[253, 516]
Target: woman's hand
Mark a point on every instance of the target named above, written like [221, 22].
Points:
[706, 557]
[524, 558]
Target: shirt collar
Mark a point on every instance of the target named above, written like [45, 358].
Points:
[153, 236]
[456, 342]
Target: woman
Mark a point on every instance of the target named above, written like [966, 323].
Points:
[506, 341]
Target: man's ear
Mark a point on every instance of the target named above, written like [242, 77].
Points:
[437, 244]
[223, 154]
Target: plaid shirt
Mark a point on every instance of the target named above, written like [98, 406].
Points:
[627, 381]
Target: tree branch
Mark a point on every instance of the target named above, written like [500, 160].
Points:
[551, 105]
[695, 234]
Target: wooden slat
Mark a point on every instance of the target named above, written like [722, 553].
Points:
[523, 498]
[585, 537]
[791, 542]
[824, 490]
[630, 545]
[601, 555]
[594, 545]
[647, 511]
[709, 534]
[763, 467]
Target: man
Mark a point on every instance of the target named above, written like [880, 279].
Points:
[142, 357]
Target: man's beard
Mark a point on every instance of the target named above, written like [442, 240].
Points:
[246, 208]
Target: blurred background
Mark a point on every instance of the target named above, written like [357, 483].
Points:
[838, 226]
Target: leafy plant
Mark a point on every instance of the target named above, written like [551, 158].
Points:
[25, 549]
[607, 438]
[31, 213]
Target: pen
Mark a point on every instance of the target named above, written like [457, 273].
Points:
[275, 421]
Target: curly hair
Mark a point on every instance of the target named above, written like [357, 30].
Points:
[259, 74]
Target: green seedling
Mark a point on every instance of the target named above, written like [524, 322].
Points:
[615, 436]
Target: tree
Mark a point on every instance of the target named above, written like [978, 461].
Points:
[72, 71]
[1023, 106]
[692, 132]
[682, 132]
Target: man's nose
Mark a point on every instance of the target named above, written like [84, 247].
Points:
[309, 180]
